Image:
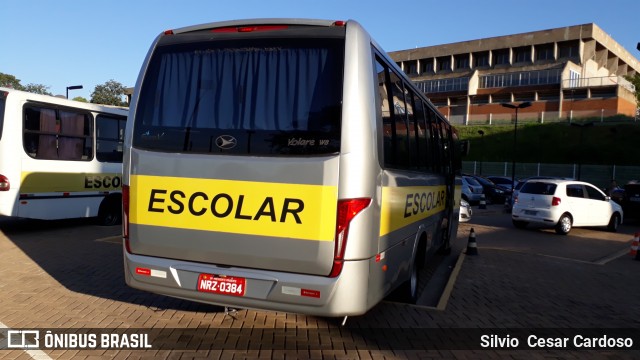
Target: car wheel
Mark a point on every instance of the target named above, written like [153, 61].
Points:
[520, 224]
[614, 223]
[564, 224]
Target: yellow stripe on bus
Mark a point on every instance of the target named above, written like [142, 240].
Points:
[297, 211]
[402, 206]
[43, 182]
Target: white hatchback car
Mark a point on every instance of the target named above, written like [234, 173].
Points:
[564, 204]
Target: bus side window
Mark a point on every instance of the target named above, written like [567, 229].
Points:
[422, 136]
[387, 130]
[399, 123]
[412, 130]
[434, 148]
[55, 134]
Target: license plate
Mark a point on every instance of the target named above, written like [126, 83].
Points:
[634, 199]
[530, 212]
[220, 284]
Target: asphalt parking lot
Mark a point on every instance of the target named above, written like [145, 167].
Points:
[67, 276]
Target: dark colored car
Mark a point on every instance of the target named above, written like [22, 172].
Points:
[629, 198]
[503, 181]
[494, 193]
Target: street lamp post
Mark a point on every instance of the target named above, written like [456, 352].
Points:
[74, 87]
[515, 139]
[482, 151]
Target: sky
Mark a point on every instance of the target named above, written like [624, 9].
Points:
[60, 43]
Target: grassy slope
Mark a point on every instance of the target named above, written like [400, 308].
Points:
[559, 143]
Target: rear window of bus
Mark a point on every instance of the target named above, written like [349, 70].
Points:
[238, 95]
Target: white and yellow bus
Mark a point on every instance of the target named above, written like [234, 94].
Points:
[60, 159]
[286, 165]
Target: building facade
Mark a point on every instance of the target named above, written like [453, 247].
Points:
[566, 73]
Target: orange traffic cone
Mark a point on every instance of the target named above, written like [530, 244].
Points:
[634, 245]
[472, 246]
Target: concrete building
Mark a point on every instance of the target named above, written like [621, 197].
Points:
[566, 73]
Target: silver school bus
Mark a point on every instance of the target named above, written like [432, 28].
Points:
[60, 159]
[285, 165]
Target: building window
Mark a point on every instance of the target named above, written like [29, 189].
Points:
[569, 49]
[501, 57]
[522, 54]
[462, 61]
[444, 63]
[574, 78]
[544, 52]
[411, 67]
[443, 85]
[523, 78]
[481, 59]
[426, 65]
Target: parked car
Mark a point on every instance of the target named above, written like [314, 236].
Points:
[564, 204]
[465, 211]
[628, 197]
[503, 181]
[495, 194]
[472, 191]
[521, 182]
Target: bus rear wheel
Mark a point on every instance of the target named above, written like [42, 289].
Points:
[110, 212]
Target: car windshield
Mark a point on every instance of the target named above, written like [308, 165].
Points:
[472, 181]
[538, 188]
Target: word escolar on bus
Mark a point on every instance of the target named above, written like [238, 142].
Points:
[222, 205]
[420, 202]
[99, 182]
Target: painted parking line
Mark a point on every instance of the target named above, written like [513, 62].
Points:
[601, 261]
[36, 354]
[111, 239]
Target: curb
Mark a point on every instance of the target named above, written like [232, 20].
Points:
[446, 293]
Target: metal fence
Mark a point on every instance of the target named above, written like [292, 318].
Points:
[601, 115]
[598, 175]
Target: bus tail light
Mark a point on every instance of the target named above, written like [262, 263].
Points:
[555, 201]
[4, 183]
[347, 210]
[125, 217]
[251, 28]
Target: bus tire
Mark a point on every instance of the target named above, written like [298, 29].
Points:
[408, 291]
[110, 212]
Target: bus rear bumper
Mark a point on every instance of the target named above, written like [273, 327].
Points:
[265, 290]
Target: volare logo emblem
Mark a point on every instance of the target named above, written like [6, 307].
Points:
[226, 142]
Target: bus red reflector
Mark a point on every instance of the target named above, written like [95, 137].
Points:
[339, 23]
[143, 271]
[4, 183]
[347, 210]
[168, 32]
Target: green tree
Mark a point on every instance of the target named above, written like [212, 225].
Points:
[109, 93]
[37, 89]
[80, 99]
[10, 81]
